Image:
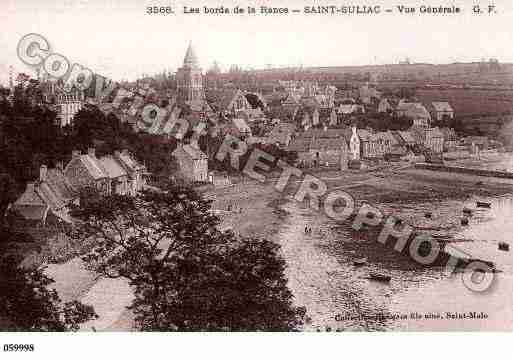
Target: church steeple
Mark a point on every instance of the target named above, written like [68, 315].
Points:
[190, 60]
[189, 77]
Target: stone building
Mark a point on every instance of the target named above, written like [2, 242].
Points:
[136, 172]
[86, 171]
[441, 110]
[318, 147]
[192, 163]
[46, 199]
[189, 78]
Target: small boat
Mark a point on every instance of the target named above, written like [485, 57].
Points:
[503, 246]
[479, 183]
[380, 277]
[464, 221]
[360, 261]
[483, 204]
[428, 214]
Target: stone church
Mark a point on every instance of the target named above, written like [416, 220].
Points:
[190, 79]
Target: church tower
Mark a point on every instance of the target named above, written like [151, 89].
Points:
[189, 78]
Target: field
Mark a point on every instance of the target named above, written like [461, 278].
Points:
[467, 102]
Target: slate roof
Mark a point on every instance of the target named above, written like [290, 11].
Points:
[112, 167]
[442, 106]
[60, 184]
[93, 166]
[31, 212]
[49, 196]
[318, 140]
[53, 193]
[129, 162]
[222, 98]
[413, 109]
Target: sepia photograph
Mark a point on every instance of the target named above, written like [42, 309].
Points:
[240, 167]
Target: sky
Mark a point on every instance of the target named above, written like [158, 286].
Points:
[119, 39]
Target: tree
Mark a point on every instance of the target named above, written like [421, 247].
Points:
[26, 303]
[7, 194]
[186, 273]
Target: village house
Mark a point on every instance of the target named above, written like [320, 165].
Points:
[368, 94]
[387, 144]
[192, 162]
[46, 200]
[136, 172]
[117, 175]
[228, 101]
[291, 104]
[321, 147]
[371, 146]
[86, 171]
[415, 111]
[349, 106]
[324, 101]
[307, 117]
[385, 106]
[434, 140]
[441, 111]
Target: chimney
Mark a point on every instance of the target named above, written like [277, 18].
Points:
[60, 165]
[91, 151]
[42, 172]
[75, 154]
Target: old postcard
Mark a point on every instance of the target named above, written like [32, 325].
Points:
[272, 166]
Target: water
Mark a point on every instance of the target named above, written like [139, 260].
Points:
[339, 295]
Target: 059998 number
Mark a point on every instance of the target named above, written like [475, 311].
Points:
[18, 347]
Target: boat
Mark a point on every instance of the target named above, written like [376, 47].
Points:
[467, 211]
[360, 261]
[503, 246]
[483, 204]
[380, 277]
